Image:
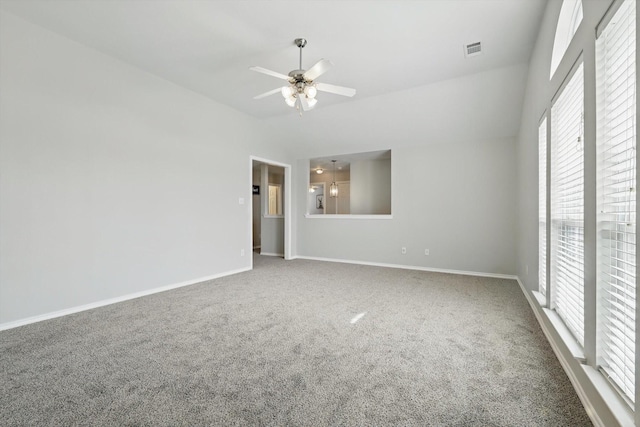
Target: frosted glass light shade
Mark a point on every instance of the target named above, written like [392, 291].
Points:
[291, 101]
[310, 91]
[287, 91]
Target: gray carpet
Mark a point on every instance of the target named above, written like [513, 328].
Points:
[276, 346]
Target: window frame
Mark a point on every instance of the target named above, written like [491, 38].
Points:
[561, 297]
[610, 359]
[543, 200]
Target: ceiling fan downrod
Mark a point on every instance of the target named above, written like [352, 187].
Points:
[300, 43]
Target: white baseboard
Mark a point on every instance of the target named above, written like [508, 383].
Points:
[77, 309]
[584, 398]
[271, 254]
[411, 267]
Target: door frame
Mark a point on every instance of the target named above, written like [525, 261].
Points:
[286, 210]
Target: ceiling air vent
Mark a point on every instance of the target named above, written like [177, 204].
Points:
[472, 49]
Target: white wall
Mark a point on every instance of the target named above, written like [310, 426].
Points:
[480, 107]
[455, 200]
[272, 240]
[272, 227]
[312, 200]
[453, 174]
[371, 186]
[113, 181]
[539, 92]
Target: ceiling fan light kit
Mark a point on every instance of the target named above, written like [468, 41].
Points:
[302, 89]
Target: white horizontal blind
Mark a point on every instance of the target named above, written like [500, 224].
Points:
[542, 207]
[567, 205]
[616, 108]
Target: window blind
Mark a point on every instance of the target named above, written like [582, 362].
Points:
[616, 175]
[542, 207]
[567, 205]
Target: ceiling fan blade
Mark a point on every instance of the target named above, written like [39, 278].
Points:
[269, 73]
[318, 69]
[271, 92]
[338, 90]
[304, 102]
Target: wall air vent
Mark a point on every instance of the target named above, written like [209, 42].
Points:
[473, 49]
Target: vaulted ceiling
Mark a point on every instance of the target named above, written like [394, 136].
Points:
[378, 47]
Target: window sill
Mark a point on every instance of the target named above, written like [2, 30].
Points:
[618, 406]
[574, 347]
[542, 300]
[333, 216]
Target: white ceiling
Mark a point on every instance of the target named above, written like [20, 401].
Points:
[377, 47]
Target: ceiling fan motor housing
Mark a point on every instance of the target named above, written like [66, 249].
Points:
[297, 75]
[298, 81]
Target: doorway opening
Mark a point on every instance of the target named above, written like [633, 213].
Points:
[270, 227]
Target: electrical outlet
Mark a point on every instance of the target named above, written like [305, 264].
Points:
[241, 252]
[404, 251]
[426, 251]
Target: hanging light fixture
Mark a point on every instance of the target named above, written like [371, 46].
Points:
[333, 188]
[301, 90]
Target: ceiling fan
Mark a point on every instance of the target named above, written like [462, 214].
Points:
[302, 88]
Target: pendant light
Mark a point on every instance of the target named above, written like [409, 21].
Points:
[333, 188]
